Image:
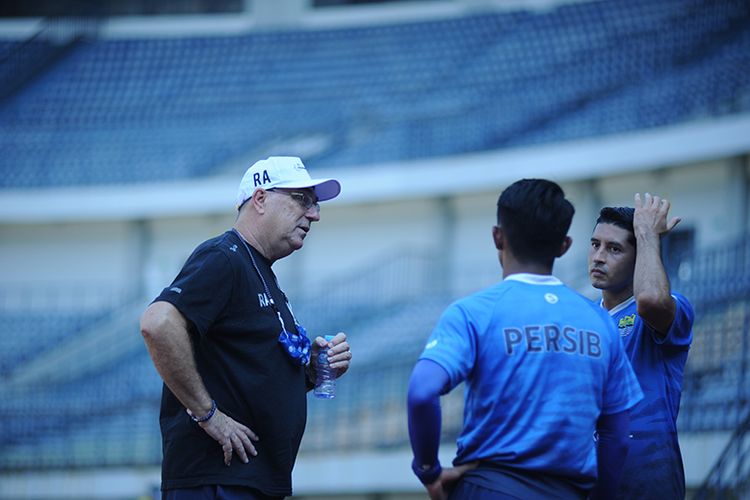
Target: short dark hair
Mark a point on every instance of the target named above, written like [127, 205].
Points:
[621, 217]
[535, 218]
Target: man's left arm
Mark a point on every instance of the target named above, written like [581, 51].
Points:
[651, 288]
[428, 381]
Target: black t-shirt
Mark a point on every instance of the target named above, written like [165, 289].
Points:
[243, 366]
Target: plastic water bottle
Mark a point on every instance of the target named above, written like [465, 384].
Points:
[325, 383]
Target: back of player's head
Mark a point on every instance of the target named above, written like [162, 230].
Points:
[535, 218]
[621, 217]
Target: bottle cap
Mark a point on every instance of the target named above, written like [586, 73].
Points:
[329, 338]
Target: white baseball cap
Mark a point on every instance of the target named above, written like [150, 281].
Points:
[283, 172]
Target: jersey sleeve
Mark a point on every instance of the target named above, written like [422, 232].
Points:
[202, 288]
[680, 334]
[622, 390]
[452, 344]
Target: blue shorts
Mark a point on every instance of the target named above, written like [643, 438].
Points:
[216, 492]
[495, 482]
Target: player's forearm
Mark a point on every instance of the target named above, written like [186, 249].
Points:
[651, 287]
[424, 418]
[650, 282]
[168, 342]
[424, 431]
[649, 279]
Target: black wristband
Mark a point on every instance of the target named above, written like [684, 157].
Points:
[204, 417]
[425, 473]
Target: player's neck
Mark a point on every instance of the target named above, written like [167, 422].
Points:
[613, 298]
[512, 266]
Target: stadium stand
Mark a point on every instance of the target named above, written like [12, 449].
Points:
[388, 337]
[716, 379]
[108, 111]
[83, 403]
[18, 347]
[716, 383]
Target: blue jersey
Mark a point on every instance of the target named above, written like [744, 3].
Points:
[653, 468]
[541, 364]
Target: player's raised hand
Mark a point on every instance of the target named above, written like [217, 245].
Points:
[651, 215]
[231, 435]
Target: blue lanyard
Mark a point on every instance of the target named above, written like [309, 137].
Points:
[296, 345]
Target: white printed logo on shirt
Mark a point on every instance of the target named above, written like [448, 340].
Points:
[263, 300]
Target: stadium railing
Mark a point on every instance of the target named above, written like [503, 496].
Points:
[730, 476]
[22, 60]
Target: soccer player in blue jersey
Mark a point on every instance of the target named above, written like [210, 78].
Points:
[544, 369]
[655, 325]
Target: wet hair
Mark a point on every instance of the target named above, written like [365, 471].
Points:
[621, 217]
[535, 218]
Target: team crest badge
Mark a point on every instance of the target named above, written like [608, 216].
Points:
[626, 325]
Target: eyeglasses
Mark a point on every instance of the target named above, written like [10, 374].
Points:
[305, 200]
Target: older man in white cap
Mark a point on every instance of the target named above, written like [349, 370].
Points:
[236, 363]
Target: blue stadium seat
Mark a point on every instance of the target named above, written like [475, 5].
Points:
[128, 111]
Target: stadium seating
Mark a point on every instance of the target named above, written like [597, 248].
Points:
[88, 420]
[716, 383]
[139, 110]
[27, 334]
